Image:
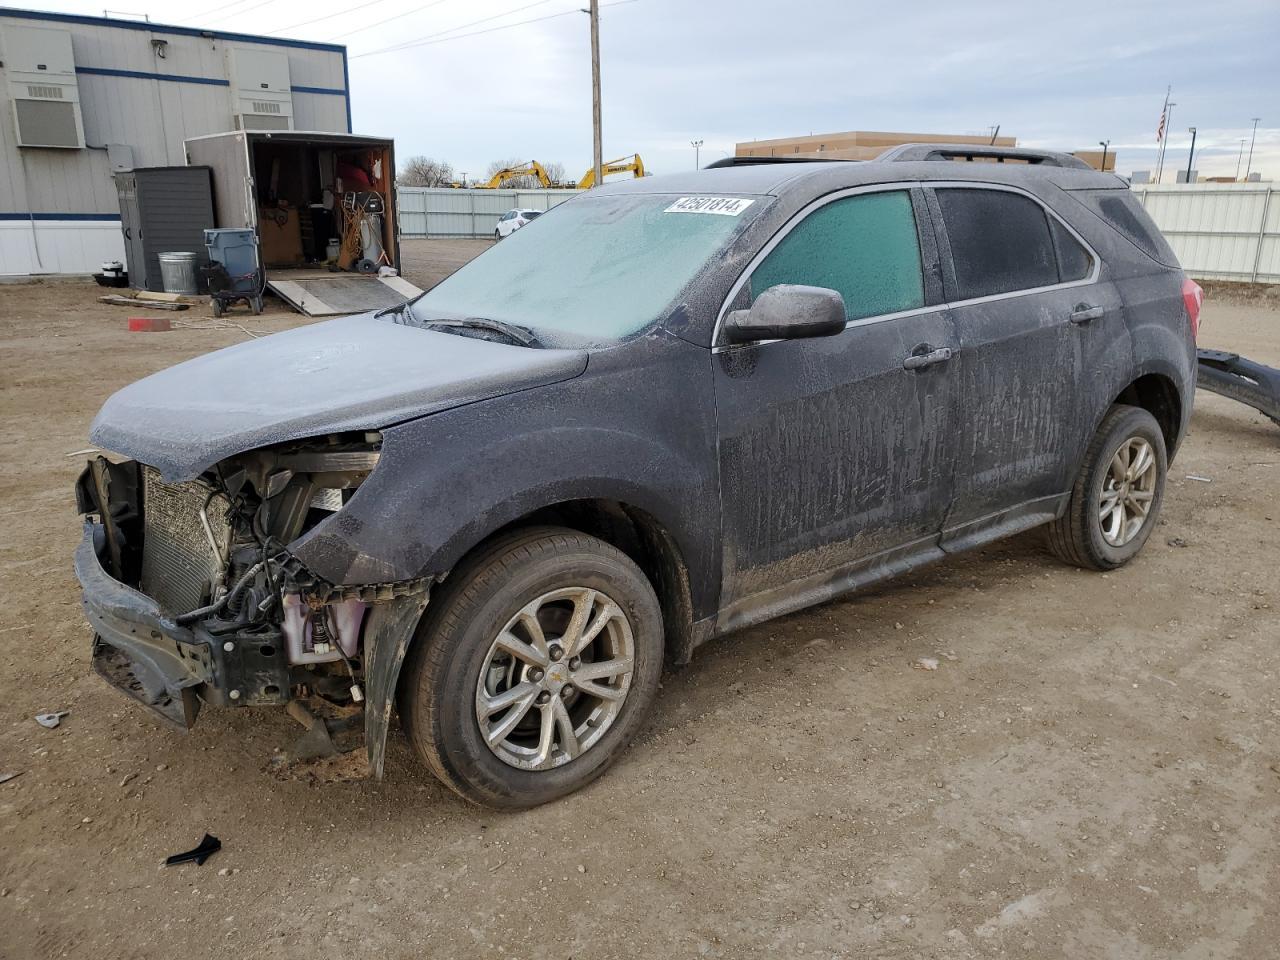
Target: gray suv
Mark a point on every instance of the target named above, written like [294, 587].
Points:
[665, 410]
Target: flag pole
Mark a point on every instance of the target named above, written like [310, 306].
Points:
[1164, 133]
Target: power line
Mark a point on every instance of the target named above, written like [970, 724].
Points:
[207, 13]
[438, 38]
[370, 26]
[464, 26]
[346, 12]
[225, 16]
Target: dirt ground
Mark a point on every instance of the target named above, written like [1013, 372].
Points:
[1092, 771]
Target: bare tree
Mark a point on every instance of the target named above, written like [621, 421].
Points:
[425, 172]
[555, 170]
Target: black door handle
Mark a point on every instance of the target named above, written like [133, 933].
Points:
[1083, 313]
[918, 361]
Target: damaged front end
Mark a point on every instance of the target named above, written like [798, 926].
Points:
[195, 598]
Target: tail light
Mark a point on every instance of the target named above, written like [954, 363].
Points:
[1192, 299]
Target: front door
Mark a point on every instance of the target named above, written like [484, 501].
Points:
[1030, 312]
[837, 449]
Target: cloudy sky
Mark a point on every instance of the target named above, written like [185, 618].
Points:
[494, 79]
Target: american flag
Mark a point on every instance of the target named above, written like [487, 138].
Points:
[1164, 116]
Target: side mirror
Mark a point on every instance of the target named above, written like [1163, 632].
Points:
[788, 311]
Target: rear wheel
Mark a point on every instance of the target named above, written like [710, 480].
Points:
[1115, 502]
[533, 669]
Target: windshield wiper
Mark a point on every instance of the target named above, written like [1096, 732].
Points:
[512, 331]
[399, 308]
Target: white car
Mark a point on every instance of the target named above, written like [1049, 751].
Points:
[513, 220]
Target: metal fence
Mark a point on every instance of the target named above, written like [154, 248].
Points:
[445, 212]
[1220, 231]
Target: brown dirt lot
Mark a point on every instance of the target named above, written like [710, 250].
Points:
[1092, 771]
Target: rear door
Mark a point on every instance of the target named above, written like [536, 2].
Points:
[837, 449]
[1035, 323]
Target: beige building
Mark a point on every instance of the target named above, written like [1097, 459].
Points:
[855, 144]
[869, 144]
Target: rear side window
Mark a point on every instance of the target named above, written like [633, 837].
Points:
[1121, 210]
[1074, 261]
[865, 247]
[532, 214]
[1000, 242]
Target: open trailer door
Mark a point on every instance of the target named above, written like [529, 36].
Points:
[323, 207]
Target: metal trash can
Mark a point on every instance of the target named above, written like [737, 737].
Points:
[178, 272]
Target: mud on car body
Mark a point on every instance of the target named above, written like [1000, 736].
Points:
[666, 410]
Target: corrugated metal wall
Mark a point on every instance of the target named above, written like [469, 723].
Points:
[445, 212]
[1220, 231]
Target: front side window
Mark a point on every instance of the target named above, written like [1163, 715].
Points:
[1000, 242]
[865, 247]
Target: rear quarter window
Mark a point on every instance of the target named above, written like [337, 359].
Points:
[1122, 211]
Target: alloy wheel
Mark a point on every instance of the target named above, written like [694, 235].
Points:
[555, 678]
[1128, 490]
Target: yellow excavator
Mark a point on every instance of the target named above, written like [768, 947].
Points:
[531, 169]
[632, 164]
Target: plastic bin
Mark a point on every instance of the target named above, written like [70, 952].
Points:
[236, 248]
[178, 272]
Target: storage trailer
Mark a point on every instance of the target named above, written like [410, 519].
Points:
[312, 198]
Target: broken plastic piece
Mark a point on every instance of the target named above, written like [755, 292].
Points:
[51, 720]
[208, 847]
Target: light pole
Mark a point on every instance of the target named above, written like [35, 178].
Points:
[1239, 157]
[697, 150]
[1104, 144]
[1192, 155]
[1248, 167]
[464, 179]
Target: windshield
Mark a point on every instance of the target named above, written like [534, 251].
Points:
[594, 269]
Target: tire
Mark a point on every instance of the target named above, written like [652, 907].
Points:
[440, 692]
[217, 307]
[1079, 536]
[497, 235]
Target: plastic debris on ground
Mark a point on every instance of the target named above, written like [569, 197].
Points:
[208, 847]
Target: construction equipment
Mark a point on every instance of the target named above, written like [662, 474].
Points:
[632, 164]
[531, 169]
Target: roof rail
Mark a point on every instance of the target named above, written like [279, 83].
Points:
[969, 151]
[754, 161]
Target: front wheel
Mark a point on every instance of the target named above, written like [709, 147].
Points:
[533, 669]
[1115, 502]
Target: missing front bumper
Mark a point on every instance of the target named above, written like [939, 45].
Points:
[168, 668]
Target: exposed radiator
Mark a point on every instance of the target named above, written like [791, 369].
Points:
[179, 565]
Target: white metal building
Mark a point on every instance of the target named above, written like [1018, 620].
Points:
[84, 97]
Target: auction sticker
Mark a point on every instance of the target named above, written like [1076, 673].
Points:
[725, 206]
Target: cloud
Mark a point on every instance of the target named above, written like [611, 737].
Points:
[1061, 75]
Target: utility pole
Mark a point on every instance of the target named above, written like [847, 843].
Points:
[697, 150]
[1248, 167]
[1104, 144]
[1239, 157]
[1192, 155]
[597, 157]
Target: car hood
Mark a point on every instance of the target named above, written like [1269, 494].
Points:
[353, 373]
